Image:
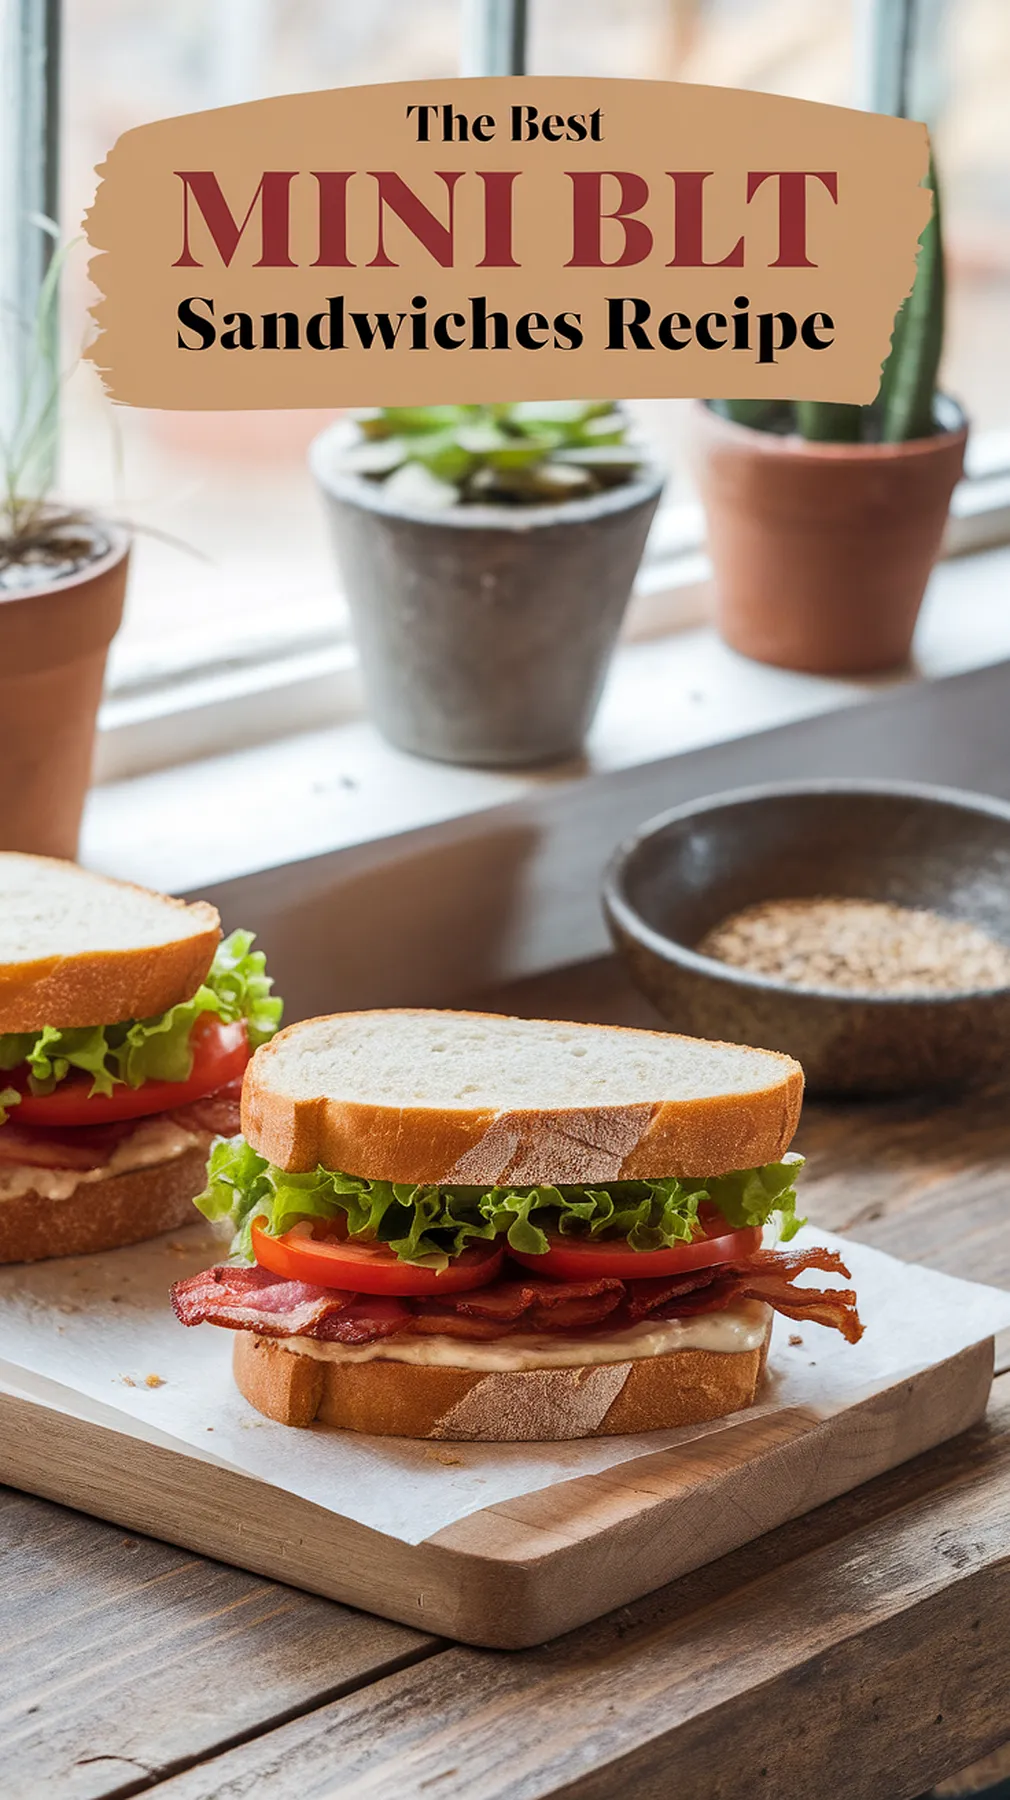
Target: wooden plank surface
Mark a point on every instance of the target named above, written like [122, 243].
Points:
[122, 1657]
[864, 1651]
[190, 1657]
[524, 1570]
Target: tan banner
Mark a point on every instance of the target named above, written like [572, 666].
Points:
[484, 240]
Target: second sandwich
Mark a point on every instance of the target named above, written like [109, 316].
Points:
[459, 1225]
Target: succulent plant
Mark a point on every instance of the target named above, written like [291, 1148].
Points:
[529, 452]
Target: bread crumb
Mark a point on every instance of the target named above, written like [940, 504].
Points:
[127, 1381]
[795, 1339]
[446, 1457]
[153, 1381]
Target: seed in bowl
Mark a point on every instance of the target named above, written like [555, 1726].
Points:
[859, 946]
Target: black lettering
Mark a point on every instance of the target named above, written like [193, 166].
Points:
[768, 341]
[242, 336]
[635, 326]
[666, 328]
[813, 323]
[524, 124]
[482, 319]
[525, 327]
[206, 332]
[703, 332]
[568, 328]
[422, 120]
[741, 324]
[334, 319]
[440, 330]
[383, 328]
[271, 327]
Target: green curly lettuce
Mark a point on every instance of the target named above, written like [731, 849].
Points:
[431, 1225]
[138, 1050]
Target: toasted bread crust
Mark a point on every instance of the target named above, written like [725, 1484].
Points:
[398, 1399]
[104, 1215]
[605, 1143]
[104, 986]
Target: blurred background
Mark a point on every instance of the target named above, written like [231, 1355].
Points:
[234, 487]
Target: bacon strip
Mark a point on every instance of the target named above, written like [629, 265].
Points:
[83, 1147]
[768, 1275]
[252, 1299]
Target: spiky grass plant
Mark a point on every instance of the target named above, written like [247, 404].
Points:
[39, 537]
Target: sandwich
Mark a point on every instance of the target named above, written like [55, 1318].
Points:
[460, 1225]
[126, 1024]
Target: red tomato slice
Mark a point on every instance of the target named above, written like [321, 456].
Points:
[330, 1261]
[582, 1259]
[220, 1053]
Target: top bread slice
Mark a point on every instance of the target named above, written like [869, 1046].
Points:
[478, 1099]
[82, 949]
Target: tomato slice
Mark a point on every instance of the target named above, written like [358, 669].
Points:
[220, 1054]
[330, 1261]
[582, 1259]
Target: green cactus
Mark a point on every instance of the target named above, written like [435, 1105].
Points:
[908, 382]
[903, 408]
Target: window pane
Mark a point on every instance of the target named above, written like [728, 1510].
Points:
[231, 485]
[234, 487]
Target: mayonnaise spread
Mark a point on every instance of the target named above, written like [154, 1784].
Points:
[154, 1140]
[740, 1327]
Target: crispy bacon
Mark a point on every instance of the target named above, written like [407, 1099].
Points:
[768, 1275]
[508, 1300]
[83, 1147]
[253, 1299]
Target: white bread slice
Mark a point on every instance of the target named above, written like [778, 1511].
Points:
[82, 949]
[397, 1399]
[105, 1215]
[481, 1099]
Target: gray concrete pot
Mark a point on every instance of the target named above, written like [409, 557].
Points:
[484, 631]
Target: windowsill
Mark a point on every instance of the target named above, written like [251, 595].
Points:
[324, 791]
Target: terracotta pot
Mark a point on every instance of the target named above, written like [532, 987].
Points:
[53, 646]
[821, 552]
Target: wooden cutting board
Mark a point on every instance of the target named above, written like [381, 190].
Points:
[521, 1571]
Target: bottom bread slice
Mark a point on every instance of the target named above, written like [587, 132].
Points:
[104, 1215]
[545, 1405]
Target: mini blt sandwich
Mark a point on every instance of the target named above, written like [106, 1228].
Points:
[125, 1028]
[459, 1225]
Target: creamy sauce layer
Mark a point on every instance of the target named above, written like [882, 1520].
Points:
[738, 1328]
[154, 1140]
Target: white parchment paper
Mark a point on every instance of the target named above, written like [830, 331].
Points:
[86, 1335]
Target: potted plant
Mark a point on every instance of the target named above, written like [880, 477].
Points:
[487, 554]
[62, 586]
[824, 521]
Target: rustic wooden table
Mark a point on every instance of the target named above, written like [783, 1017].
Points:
[862, 1652]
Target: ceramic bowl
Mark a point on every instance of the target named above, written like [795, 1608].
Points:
[684, 872]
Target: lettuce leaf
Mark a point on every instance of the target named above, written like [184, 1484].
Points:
[138, 1050]
[431, 1225]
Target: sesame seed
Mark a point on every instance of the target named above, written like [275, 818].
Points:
[859, 946]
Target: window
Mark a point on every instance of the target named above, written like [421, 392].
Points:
[236, 564]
